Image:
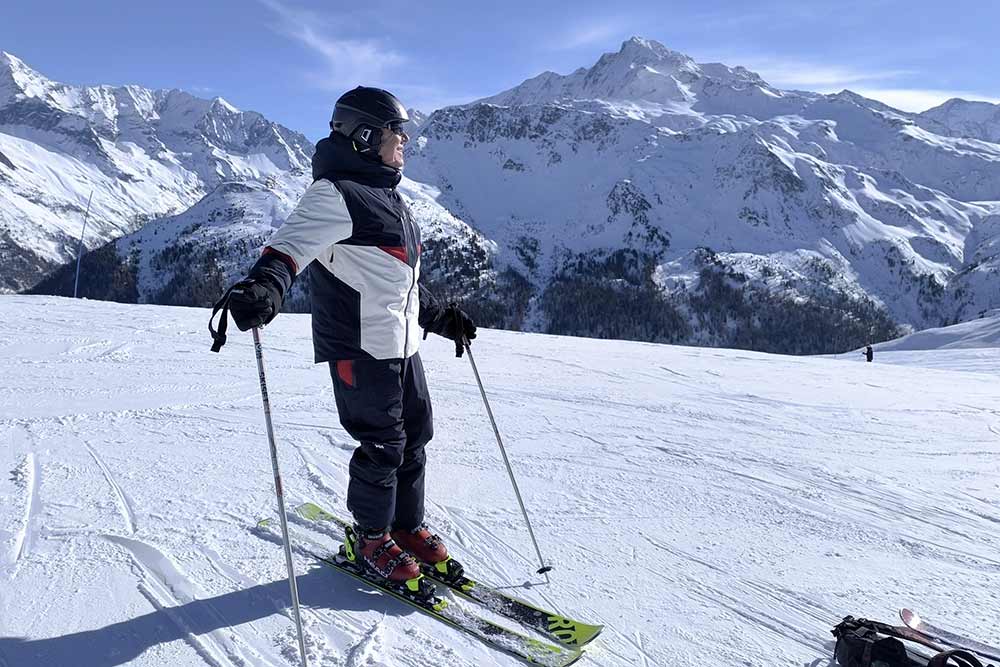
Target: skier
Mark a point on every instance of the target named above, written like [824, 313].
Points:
[869, 353]
[356, 235]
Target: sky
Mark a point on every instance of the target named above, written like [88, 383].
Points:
[290, 60]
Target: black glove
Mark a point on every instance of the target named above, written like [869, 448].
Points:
[253, 303]
[452, 323]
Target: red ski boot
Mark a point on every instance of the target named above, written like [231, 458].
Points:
[376, 552]
[429, 550]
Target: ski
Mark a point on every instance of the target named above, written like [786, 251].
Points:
[532, 651]
[942, 636]
[559, 628]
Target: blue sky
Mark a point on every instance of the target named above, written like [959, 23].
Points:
[290, 60]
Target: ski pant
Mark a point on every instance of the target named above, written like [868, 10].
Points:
[385, 406]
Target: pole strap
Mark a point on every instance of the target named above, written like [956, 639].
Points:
[219, 336]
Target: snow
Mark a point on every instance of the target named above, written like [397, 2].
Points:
[980, 333]
[709, 506]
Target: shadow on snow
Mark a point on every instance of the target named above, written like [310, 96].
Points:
[119, 643]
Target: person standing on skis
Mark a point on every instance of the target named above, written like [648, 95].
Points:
[356, 235]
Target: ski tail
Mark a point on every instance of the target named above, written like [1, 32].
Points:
[913, 621]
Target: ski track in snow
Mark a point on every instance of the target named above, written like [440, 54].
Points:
[28, 474]
[365, 652]
[705, 505]
[123, 503]
[169, 589]
[23, 503]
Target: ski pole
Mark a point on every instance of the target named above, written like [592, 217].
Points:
[79, 252]
[544, 569]
[280, 493]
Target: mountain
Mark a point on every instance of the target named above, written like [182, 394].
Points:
[647, 197]
[190, 258]
[656, 198]
[417, 118]
[142, 153]
[186, 192]
[961, 118]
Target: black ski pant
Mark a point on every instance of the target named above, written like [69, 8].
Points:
[385, 406]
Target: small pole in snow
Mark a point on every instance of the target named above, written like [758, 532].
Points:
[79, 253]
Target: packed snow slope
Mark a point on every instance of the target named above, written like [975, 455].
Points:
[709, 506]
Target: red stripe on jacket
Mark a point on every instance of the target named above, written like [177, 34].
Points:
[396, 251]
[268, 250]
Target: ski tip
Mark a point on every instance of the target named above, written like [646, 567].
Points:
[909, 616]
[589, 633]
[578, 634]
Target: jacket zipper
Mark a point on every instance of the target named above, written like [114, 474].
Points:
[411, 251]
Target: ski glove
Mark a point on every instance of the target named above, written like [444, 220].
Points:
[452, 323]
[253, 303]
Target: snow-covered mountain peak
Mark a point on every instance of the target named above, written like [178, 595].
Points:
[144, 153]
[417, 119]
[639, 51]
[17, 78]
[964, 118]
[645, 72]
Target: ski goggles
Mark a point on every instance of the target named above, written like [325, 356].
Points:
[397, 129]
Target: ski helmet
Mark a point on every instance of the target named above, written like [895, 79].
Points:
[361, 113]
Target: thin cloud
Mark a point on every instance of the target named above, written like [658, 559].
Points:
[818, 77]
[344, 62]
[603, 32]
[428, 99]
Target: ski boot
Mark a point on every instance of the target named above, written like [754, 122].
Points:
[429, 551]
[378, 557]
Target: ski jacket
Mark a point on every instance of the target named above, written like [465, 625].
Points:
[355, 234]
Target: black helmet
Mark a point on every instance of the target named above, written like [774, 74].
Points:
[361, 112]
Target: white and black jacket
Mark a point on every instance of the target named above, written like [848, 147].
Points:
[355, 234]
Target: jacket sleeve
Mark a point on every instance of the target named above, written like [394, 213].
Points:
[430, 307]
[319, 220]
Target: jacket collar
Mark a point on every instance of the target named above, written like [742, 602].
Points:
[337, 159]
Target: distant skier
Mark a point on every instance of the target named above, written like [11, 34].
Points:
[869, 353]
[355, 233]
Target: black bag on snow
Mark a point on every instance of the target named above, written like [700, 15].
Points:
[860, 645]
[864, 643]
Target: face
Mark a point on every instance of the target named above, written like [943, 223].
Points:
[391, 149]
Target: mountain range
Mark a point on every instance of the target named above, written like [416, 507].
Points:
[646, 197]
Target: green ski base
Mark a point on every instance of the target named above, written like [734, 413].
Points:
[563, 630]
